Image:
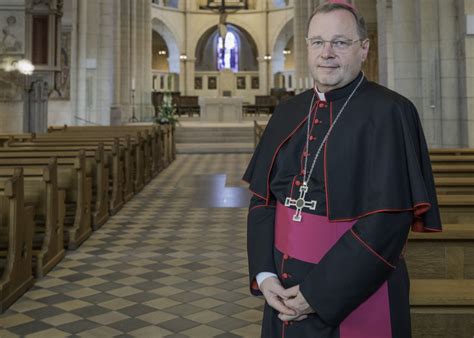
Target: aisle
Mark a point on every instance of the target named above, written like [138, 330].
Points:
[171, 263]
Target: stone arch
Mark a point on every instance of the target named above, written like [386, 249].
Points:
[171, 42]
[279, 44]
[235, 22]
[206, 58]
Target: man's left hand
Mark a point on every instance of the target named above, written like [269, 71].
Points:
[296, 301]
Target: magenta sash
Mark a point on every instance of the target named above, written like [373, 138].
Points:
[308, 241]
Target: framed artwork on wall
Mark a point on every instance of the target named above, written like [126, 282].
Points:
[255, 82]
[198, 82]
[211, 82]
[241, 82]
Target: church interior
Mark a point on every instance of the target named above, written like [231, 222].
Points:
[126, 127]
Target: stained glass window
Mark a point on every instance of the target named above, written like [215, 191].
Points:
[228, 57]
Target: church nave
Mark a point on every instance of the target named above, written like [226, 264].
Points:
[171, 263]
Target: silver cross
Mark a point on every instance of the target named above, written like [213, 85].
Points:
[300, 203]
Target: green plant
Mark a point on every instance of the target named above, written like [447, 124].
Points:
[166, 112]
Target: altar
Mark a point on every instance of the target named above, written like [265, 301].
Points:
[221, 109]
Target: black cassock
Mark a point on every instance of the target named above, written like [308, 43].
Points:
[372, 182]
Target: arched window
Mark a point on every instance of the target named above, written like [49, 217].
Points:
[228, 57]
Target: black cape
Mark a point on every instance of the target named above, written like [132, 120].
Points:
[362, 176]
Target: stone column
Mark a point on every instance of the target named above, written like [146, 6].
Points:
[190, 68]
[451, 115]
[79, 56]
[428, 51]
[182, 76]
[126, 62]
[105, 77]
[92, 62]
[385, 42]
[133, 45]
[406, 57]
[263, 68]
[141, 58]
[277, 66]
[116, 109]
[302, 11]
[184, 83]
[466, 74]
[148, 77]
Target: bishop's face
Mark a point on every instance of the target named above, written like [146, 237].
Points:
[332, 66]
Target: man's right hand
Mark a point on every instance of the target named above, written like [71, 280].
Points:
[274, 295]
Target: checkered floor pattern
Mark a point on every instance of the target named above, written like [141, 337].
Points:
[171, 263]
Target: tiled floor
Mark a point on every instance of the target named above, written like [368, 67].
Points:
[171, 263]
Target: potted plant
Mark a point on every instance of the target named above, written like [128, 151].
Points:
[166, 112]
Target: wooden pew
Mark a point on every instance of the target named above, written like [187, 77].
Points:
[442, 308]
[455, 185]
[135, 144]
[114, 153]
[16, 236]
[168, 145]
[456, 208]
[5, 137]
[41, 191]
[96, 168]
[461, 169]
[451, 151]
[452, 159]
[442, 255]
[188, 105]
[153, 130]
[73, 180]
[124, 148]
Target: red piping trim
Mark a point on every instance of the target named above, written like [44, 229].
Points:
[261, 197]
[325, 163]
[372, 250]
[282, 265]
[316, 106]
[432, 229]
[292, 185]
[421, 208]
[404, 250]
[277, 150]
[261, 206]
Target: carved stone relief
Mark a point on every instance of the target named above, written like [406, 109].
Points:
[12, 32]
[62, 79]
[11, 86]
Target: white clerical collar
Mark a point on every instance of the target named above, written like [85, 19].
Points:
[321, 96]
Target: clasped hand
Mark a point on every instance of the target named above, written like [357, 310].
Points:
[290, 303]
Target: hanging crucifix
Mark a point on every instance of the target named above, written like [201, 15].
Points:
[300, 203]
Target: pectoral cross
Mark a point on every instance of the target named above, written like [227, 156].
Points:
[300, 203]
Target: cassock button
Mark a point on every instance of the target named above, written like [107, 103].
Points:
[305, 154]
[317, 121]
[284, 275]
[322, 105]
[285, 256]
[312, 138]
[297, 183]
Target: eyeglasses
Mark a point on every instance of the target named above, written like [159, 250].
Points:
[337, 44]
